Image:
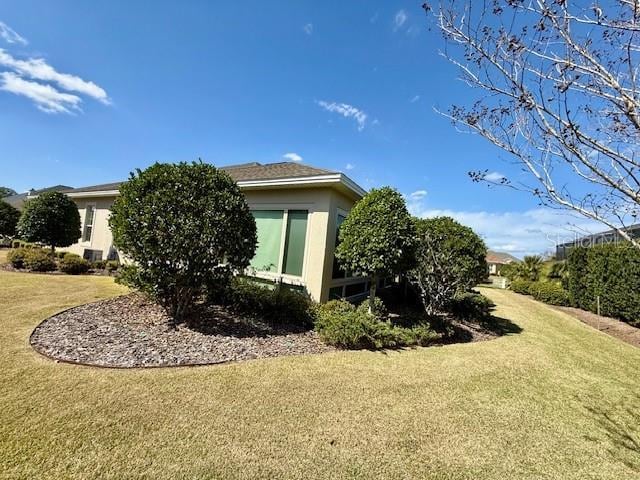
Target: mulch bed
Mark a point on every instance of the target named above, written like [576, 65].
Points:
[129, 331]
[610, 326]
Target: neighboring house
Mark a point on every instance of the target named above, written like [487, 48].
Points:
[496, 260]
[610, 236]
[19, 199]
[297, 208]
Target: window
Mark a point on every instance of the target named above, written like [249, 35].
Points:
[269, 227]
[295, 241]
[89, 218]
[272, 255]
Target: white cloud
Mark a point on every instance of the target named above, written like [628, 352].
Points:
[9, 35]
[292, 157]
[38, 69]
[494, 177]
[308, 28]
[350, 166]
[399, 19]
[521, 233]
[415, 99]
[418, 195]
[347, 111]
[46, 97]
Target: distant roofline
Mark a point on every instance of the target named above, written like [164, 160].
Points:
[592, 236]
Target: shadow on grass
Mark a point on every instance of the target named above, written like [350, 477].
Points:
[620, 424]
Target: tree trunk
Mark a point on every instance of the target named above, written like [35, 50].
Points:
[372, 292]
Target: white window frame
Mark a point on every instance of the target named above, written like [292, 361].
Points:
[93, 223]
[278, 275]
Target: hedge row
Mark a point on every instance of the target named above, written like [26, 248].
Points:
[611, 272]
[546, 292]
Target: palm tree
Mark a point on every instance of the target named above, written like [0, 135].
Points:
[531, 267]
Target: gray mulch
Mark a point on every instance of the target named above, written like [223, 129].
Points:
[130, 331]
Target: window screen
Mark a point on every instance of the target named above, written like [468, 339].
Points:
[295, 242]
[269, 230]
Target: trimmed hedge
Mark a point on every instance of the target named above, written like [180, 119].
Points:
[610, 271]
[521, 286]
[73, 264]
[39, 260]
[550, 292]
[16, 257]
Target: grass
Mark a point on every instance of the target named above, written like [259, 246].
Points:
[558, 400]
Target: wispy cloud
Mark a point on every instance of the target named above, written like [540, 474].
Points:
[418, 195]
[9, 35]
[46, 98]
[350, 166]
[308, 28]
[347, 111]
[292, 157]
[518, 232]
[399, 19]
[415, 99]
[39, 69]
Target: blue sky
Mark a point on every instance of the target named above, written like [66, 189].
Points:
[90, 91]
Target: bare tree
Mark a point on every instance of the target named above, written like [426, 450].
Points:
[558, 83]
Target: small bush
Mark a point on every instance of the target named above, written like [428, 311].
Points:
[472, 306]
[277, 303]
[73, 264]
[16, 257]
[60, 254]
[341, 324]
[112, 265]
[99, 264]
[16, 243]
[39, 260]
[549, 292]
[521, 286]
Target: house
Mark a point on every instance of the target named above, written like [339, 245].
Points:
[19, 199]
[298, 210]
[610, 236]
[496, 260]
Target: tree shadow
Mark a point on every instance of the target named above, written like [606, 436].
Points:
[620, 423]
[222, 321]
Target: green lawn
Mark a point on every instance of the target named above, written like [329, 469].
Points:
[558, 400]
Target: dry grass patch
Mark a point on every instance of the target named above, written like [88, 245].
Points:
[558, 400]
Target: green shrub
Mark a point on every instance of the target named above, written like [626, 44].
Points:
[60, 254]
[520, 286]
[16, 243]
[274, 303]
[343, 325]
[472, 306]
[186, 227]
[16, 257]
[99, 264]
[610, 272]
[112, 265]
[550, 292]
[73, 264]
[9, 216]
[39, 260]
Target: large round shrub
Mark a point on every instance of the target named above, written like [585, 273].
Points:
[52, 218]
[186, 227]
[73, 264]
[9, 216]
[376, 238]
[39, 260]
[450, 259]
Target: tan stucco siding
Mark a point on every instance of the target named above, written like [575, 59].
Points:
[322, 204]
[101, 238]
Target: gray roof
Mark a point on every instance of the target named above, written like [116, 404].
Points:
[242, 172]
[608, 235]
[19, 199]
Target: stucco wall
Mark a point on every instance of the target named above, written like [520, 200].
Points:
[322, 204]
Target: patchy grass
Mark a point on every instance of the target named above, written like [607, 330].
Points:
[3, 255]
[558, 400]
